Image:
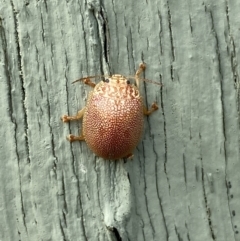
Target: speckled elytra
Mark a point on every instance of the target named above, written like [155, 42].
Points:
[113, 117]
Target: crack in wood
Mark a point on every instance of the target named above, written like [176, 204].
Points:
[223, 105]
[190, 24]
[208, 210]
[160, 35]
[146, 198]
[188, 236]
[62, 231]
[20, 64]
[164, 218]
[178, 234]
[103, 34]
[165, 134]
[115, 232]
[171, 40]
[184, 169]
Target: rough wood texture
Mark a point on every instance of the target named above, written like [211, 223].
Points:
[183, 183]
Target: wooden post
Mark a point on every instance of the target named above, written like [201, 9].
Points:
[183, 182]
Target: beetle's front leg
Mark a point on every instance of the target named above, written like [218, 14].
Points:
[149, 112]
[141, 68]
[87, 81]
[66, 118]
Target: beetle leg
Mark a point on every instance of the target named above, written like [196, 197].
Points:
[129, 156]
[87, 81]
[149, 112]
[141, 68]
[66, 118]
[72, 138]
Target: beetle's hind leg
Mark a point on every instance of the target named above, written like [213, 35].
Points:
[153, 108]
[66, 118]
[72, 138]
[129, 156]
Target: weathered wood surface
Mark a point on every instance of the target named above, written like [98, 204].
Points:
[183, 183]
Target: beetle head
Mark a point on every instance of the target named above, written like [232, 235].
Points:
[118, 80]
[117, 87]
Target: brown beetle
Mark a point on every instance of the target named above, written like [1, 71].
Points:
[113, 117]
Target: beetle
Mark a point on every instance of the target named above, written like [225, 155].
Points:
[113, 117]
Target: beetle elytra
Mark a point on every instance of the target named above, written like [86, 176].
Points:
[113, 117]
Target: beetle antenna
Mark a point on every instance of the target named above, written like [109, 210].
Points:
[89, 77]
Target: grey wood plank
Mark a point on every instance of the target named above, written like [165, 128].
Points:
[183, 183]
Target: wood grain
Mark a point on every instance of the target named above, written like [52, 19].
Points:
[183, 183]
